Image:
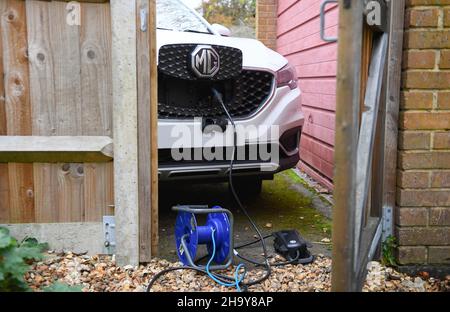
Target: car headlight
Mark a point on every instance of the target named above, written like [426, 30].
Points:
[287, 76]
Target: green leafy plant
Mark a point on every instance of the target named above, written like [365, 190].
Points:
[388, 251]
[15, 260]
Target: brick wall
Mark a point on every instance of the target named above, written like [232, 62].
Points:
[266, 22]
[423, 194]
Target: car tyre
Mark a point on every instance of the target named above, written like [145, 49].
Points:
[247, 187]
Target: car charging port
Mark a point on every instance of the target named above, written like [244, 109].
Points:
[210, 124]
[215, 124]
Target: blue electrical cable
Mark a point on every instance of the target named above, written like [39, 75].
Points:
[237, 278]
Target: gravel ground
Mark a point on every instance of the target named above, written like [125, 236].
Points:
[284, 203]
[100, 273]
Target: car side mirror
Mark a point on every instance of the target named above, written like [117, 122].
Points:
[221, 30]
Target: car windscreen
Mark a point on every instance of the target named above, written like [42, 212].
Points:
[174, 15]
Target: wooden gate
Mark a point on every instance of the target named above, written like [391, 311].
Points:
[368, 90]
[77, 109]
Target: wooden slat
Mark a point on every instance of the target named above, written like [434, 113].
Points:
[147, 115]
[367, 136]
[71, 192]
[347, 125]
[4, 183]
[18, 108]
[45, 193]
[3, 125]
[154, 129]
[98, 191]
[14, 35]
[44, 107]
[65, 50]
[365, 63]
[21, 193]
[53, 149]
[144, 134]
[370, 238]
[4, 194]
[56, 86]
[60, 144]
[96, 89]
[42, 75]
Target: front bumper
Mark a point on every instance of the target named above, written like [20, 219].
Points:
[282, 110]
[218, 170]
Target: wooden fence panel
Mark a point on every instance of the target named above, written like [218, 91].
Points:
[65, 51]
[15, 62]
[98, 191]
[55, 60]
[4, 184]
[65, 45]
[144, 136]
[96, 89]
[59, 90]
[45, 199]
[44, 107]
[57, 83]
[17, 106]
[41, 68]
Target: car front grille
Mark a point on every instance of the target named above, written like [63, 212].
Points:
[182, 95]
[174, 61]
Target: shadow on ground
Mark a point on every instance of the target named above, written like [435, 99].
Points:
[285, 203]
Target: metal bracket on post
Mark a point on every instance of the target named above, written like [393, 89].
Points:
[109, 234]
[144, 20]
[387, 220]
[322, 21]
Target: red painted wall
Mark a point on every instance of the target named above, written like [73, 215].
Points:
[298, 39]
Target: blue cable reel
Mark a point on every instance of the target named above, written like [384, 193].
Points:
[189, 235]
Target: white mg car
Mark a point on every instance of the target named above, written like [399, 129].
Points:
[257, 86]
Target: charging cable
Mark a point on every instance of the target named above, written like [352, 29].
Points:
[238, 278]
[219, 98]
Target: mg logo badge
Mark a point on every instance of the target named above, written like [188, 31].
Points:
[205, 61]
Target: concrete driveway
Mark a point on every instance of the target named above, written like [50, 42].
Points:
[285, 203]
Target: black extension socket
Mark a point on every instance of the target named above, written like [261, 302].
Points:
[291, 246]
